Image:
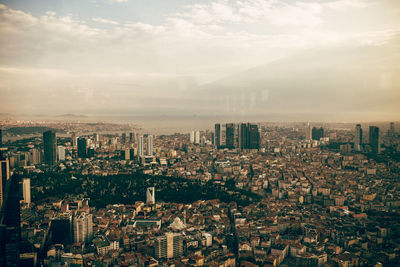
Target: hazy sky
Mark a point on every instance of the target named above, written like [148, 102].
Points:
[336, 58]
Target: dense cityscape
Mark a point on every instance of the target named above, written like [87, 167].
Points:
[237, 194]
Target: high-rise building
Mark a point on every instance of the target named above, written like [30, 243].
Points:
[74, 140]
[150, 145]
[191, 137]
[213, 138]
[317, 133]
[123, 138]
[61, 152]
[230, 135]
[308, 132]
[62, 229]
[82, 147]
[131, 138]
[141, 146]
[26, 190]
[392, 130]
[50, 147]
[374, 140]
[1, 138]
[197, 137]
[254, 136]
[10, 221]
[4, 176]
[358, 138]
[217, 135]
[169, 246]
[83, 228]
[151, 195]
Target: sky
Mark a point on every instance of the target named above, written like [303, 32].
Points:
[290, 60]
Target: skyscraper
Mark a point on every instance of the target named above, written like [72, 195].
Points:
[74, 139]
[10, 229]
[26, 190]
[230, 135]
[4, 175]
[83, 228]
[197, 137]
[150, 145]
[374, 140]
[141, 146]
[358, 137]
[308, 133]
[169, 246]
[191, 137]
[217, 135]
[82, 149]
[150, 195]
[254, 136]
[50, 147]
[123, 138]
[317, 133]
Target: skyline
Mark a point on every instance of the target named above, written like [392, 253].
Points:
[285, 60]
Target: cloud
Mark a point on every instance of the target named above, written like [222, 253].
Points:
[105, 21]
[118, 1]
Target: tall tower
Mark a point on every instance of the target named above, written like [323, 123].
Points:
[308, 132]
[230, 135]
[254, 136]
[50, 147]
[150, 145]
[197, 137]
[82, 149]
[358, 138]
[217, 135]
[150, 195]
[26, 190]
[191, 138]
[4, 174]
[141, 146]
[374, 141]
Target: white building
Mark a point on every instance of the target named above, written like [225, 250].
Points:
[150, 145]
[141, 147]
[192, 137]
[197, 137]
[150, 196]
[26, 190]
[61, 152]
[83, 228]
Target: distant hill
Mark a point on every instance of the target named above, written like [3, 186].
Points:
[29, 130]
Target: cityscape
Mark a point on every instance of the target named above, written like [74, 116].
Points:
[215, 133]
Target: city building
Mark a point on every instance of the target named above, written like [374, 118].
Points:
[358, 137]
[83, 228]
[217, 135]
[26, 190]
[374, 140]
[61, 152]
[150, 195]
[50, 147]
[82, 147]
[197, 137]
[141, 146]
[169, 246]
[317, 133]
[191, 137]
[308, 132]
[150, 145]
[62, 228]
[4, 174]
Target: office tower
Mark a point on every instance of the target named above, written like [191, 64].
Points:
[203, 141]
[358, 137]
[191, 138]
[1, 138]
[391, 131]
[34, 156]
[10, 221]
[317, 133]
[243, 136]
[50, 147]
[26, 190]
[4, 175]
[97, 138]
[123, 138]
[217, 135]
[151, 195]
[150, 145]
[83, 228]
[74, 140]
[308, 132]
[125, 154]
[374, 141]
[197, 137]
[62, 229]
[141, 146]
[230, 135]
[82, 149]
[131, 138]
[169, 246]
[61, 152]
[254, 136]
[212, 138]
